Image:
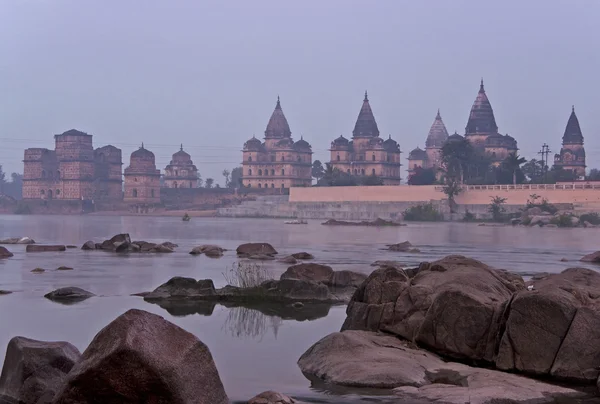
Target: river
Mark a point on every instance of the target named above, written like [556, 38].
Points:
[253, 351]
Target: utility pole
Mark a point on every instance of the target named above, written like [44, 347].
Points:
[545, 152]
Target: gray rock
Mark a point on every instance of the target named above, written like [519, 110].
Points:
[213, 251]
[179, 287]
[288, 260]
[255, 249]
[44, 248]
[593, 257]
[17, 240]
[309, 272]
[4, 253]
[38, 270]
[162, 248]
[303, 256]
[371, 360]
[69, 294]
[400, 247]
[141, 357]
[88, 245]
[33, 368]
[540, 220]
[345, 278]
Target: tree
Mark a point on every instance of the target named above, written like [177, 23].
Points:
[317, 170]
[227, 175]
[236, 178]
[534, 171]
[333, 177]
[200, 181]
[559, 174]
[209, 183]
[422, 176]
[2, 180]
[594, 175]
[457, 156]
[511, 168]
[371, 180]
[496, 208]
[452, 189]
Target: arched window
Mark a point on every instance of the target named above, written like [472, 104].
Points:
[43, 192]
[282, 186]
[152, 193]
[259, 186]
[355, 171]
[135, 179]
[362, 172]
[388, 158]
[191, 186]
[373, 157]
[272, 185]
[57, 192]
[50, 174]
[338, 157]
[272, 172]
[282, 158]
[101, 157]
[175, 184]
[259, 171]
[299, 158]
[43, 174]
[134, 193]
[250, 158]
[58, 174]
[360, 158]
[282, 171]
[249, 185]
[250, 172]
[348, 171]
[49, 194]
[176, 173]
[373, 171]
[272, 157]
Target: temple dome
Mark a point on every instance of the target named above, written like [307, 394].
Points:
[302, 145]
[142, 154]
[253, 144]
[418, 154]
[391, 146]
[438, 134]
[340, 142]
[455, 137]
[278, 126]
[573, 133]
[365, 123]
[481, 119]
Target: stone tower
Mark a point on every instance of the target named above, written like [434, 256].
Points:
[278, 162]
[108, 178]
[75, 156]
[367, 154]
[142, 179]
[181, 171]
[481, 123]
[572, 152]
[437, 136]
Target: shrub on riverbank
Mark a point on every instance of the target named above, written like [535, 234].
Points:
[246, 275]
[563, 220]
[423, 213]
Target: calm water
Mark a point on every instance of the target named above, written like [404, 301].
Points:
[254, 350]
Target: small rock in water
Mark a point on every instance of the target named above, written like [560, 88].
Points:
[271, 397]
[64, 268]
[44, 248]
[88, 245]
[38, 270]
[288, 260]
[4, 253]
[303, 256]
[69, 294]
[564, 260]
[5, 292]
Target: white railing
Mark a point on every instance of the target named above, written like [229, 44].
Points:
[564, 187]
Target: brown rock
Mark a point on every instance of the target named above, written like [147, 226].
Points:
[64, 268]
[4, 253]
[288, 260]
[303, 256]
[593, 257]
[161, 248]
[256, 248]
[33, 368]
[88, 245]
[271, 397]
[309, 272]
[142, 358]
[44, 248]
[454, 306]
[213, 251]
[38, 270]
[554, 329]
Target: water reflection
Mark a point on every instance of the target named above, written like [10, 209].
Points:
[248, 320]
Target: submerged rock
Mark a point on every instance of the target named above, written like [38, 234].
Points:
[141, 357]
[249, 249]
[44, 248]
[5, 292]
[371, 360]
[271, 397]
[35, 369]
[64, 268]
[405, 246]
[303, 256]
[38, 270]
[4, 253]
[69, 295]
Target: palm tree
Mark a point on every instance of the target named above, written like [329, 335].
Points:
[457, 156]
[512, 163]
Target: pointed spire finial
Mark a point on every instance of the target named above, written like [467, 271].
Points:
[390, 136]
[142, 145]
[573, 108]
[481, 85]
[181, 148]
[366, 96]
[438, 115]
[278, 106]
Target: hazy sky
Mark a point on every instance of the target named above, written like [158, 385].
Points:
[207, 73]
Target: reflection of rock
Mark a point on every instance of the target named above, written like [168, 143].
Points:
[182, 308]
[366, 359]
[34, 369]
[142, 358]
[68, 295]
[271, 397]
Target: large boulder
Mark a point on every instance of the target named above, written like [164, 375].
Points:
[88, 245]
[4, 253]
[249, 249]
[309, 272]
[142, 358]
[33, 369]
[453, 306]
[69, 295]
[183, 288]
[540, 220]
[371, 360]
[554, 329]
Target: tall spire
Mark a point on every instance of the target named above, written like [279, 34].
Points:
[438, 134]
[142, 145]
[481, 119]
[573, 134]
[181, 148]
[365, 123]
[278, 126]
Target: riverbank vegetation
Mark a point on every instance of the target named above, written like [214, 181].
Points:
[423, 213]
